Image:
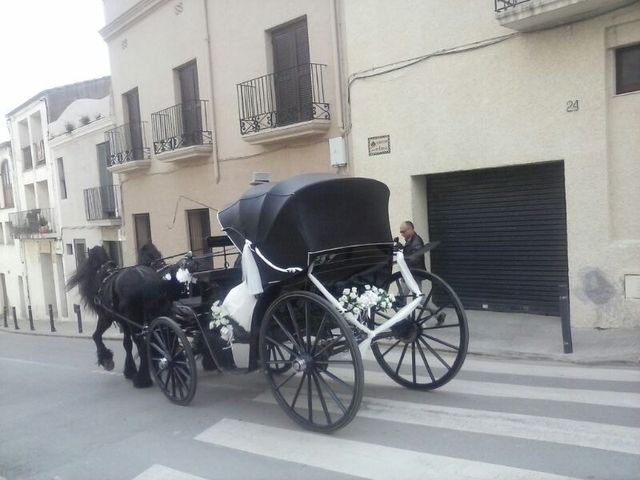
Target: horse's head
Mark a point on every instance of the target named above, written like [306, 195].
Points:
[150, 256]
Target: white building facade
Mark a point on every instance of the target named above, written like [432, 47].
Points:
[12, 292]
[37, 222]
[509, 132]
[211, 96]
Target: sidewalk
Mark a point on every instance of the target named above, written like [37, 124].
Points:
[502, 335]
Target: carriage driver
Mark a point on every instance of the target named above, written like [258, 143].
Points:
[412, 243]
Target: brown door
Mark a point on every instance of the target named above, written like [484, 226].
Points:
[134, 143]
[292, 76]
[190, 105]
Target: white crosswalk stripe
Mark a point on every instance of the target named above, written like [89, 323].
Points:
[531, 427]
[160, 472]
[531, 369]
[492, 389]
[351, 457]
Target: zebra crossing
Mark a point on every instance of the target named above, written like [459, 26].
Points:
[457, 432]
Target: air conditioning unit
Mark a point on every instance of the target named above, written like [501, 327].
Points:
[337, 152]
[259, 177]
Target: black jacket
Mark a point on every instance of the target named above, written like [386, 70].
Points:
[413, 244]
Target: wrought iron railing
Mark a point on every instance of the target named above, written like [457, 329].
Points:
[27, 159]
[102, 203]
[33, 223]
[126, 143]
[182, 125]
[502, 5]
[282, 98]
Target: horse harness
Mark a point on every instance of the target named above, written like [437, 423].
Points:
[108, 270]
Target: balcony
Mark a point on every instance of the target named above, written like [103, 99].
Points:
[284, 105]
[181, 132]
[103, 204]
[34, 223]
[529, 15]
[128, 149]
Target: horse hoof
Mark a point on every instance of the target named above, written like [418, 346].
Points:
[108, 365]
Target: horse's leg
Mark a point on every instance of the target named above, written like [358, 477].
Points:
[142, 378]
[105, 356]
[130, 369]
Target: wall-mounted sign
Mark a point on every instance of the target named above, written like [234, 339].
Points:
[379, 145]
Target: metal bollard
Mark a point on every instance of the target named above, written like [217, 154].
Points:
[76, 309]
[15, 318]
[53, 328]
[6, 310]
[565, 317]
[30, 318]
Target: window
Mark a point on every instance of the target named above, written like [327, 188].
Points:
[135, 145]
[628, 69]
[63, 183]
[114, 250]
[80, 246]
[8, 228]
[142, 225]
[7, 189]
[69, 249]
[199, 230]
[1, 235]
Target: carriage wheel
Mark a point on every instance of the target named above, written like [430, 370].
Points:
[427, 349]
[280, 360]
[323, 389]
[171, 360]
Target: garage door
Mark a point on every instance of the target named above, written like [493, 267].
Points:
[503, 236]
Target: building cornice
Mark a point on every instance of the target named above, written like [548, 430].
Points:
[136, 13]
[79, 133]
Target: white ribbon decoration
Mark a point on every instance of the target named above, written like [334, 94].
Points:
[250, 272]
[406, 274]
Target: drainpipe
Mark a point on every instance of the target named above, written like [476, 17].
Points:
[216, 163]
[338, 61]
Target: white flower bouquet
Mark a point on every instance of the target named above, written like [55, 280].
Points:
[221, 320]
[356, 305]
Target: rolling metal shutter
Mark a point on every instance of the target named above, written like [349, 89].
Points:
[503, 236]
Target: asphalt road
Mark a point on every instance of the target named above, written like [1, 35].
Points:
[61, 417]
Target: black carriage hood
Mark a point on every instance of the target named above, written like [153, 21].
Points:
[307, 213]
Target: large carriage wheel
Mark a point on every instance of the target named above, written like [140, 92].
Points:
[427, 349]
[323, 389]
[171, 360]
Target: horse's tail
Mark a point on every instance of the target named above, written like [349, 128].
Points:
[86, 276]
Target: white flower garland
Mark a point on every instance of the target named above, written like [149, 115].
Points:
[373, 298]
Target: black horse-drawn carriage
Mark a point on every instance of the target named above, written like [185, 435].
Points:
[321, 281]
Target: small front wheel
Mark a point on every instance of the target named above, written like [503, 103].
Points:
[322, 387]
[171, 360]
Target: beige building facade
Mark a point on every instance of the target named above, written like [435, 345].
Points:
[211, 96]
[509, 132]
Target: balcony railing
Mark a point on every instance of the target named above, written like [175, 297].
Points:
[102, 203]
[33, 223]
[283, 98]
[127, 143]
[27, 159]
[502, 5]
[182, 125]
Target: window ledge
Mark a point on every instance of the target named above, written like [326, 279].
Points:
[129, 166]
[186, 153]
[289, 132]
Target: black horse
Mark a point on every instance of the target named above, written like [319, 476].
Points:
[136, 293]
